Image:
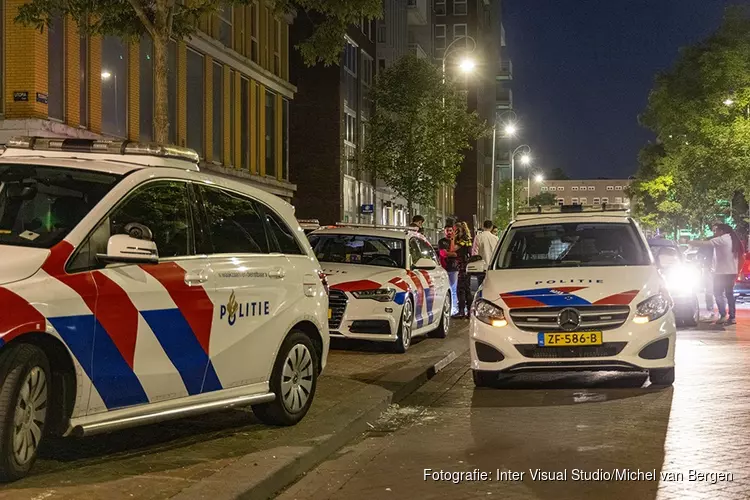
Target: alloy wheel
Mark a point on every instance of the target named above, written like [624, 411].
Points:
[297, 378]
[30, 415]
[407, 318]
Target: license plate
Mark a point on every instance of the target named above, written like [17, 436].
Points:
[569, 339]
[330, 314]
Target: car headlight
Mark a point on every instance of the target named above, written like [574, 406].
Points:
[488, 313]
[379, 294]
[653, 308]
[682, 280]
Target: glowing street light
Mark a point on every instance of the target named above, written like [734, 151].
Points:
[728, 102]
[539, 178]
[511, 129]
[106, 75]
[467, 65]
[525, 159]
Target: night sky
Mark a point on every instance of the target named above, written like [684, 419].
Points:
[583, 70]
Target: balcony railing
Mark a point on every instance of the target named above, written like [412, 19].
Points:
[416, 49]
[505, 70]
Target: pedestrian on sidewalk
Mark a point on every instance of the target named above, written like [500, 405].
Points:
[449, 261]
[463, 252]
[729, 257]
[706, 262]
[484, 245]
[416, 224]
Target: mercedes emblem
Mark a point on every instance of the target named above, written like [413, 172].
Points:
[569, 319]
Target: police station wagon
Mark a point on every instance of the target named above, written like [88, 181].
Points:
[134, 289]
[569, 289]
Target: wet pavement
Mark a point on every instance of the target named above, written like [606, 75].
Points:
[562, 436]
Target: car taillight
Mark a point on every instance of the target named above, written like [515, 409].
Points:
[324, 280]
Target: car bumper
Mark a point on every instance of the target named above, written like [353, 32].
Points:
[511, 350]
[742, 289]
[366, 319]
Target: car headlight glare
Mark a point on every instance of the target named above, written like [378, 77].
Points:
[379, 294]
[653, 308]
[488, 313]
[682, 280]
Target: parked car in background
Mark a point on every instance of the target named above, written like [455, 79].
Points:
[742, 286]
[386, 284]
[683, 280]
[134, 288]
[309, 225]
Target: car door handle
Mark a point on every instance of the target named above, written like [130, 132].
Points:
[195, 278]
[277, 273]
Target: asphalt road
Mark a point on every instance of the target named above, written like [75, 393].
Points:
[691, 440]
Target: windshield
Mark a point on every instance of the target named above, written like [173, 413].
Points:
[571, 245]
[358, 249]
[39, 205]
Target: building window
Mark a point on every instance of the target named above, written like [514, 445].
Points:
[605, 200]
[561, 201]
[460, 7]
[277, 47]
[459, 31]
[2, 64]
[268, 41]
[574, 188]
[350, 58]
[610, 188]
[544, 188]
[440, 7]
[232, 118]
[592, 188]
[381, 33]
[583, 188]
[195, 101]
[584, 201]
[114, 87]
[574, 201]
[381, 65]
[172, 94]
[285, 139]
[270, 134]
[258, 138]
[618, 188]
[254, 29]
[618, 199]
[225, 16]
[561, 188]
[83, 54]
[596, 201]
[56, 68]
[439, 37]
[146, 89]
[217, 98]
[553, 188]
[244, 123]
[350, 128]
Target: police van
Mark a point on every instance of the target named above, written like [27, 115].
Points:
[135, 288]
[572, 288]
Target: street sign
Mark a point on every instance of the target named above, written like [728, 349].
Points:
[368, 209]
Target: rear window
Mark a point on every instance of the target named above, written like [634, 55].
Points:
[571, 245]
[40, 205]
[357, 249]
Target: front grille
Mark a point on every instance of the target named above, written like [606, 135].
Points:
[582, 351]
[544, 319]
[337, 303]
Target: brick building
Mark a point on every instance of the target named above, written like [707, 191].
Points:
[584, 192]
[229, 89]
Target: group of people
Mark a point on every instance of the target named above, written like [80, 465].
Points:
[722, 258]
[456, 248]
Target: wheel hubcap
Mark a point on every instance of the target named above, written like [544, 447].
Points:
[406, 324]
[297, 378]
[31, 411]
[447, 313]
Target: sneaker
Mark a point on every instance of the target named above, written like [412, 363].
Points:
[709, 316]
[722, 320]
[731, 321]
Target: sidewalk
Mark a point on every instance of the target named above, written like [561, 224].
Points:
[230, 454]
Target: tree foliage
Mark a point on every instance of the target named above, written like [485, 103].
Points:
[165, 19]
[503, 214]
[420, 129]
[557, 174]
[543, 199]
[700, 112]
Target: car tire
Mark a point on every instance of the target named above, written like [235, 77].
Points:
[405, 327]
[484, 378]
[445, 320]
[661, 376]
[694, 317]
[294, 381]
[24, 397]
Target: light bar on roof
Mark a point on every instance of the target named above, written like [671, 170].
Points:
[103, 146]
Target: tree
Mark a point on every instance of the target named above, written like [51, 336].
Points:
[557, 174]
[420, 129]
[503, 215]
[543, 199]
[700, 112]
[165, 19]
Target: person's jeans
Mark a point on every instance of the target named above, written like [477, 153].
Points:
[709, 293]
[724, 284]
[464, 294]
[453, 280]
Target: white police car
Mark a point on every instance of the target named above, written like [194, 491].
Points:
[134, 288]
[386, 284]
[569, 289]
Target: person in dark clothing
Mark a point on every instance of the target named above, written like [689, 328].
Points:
[449, 261]
[463, 252]
[416, 224]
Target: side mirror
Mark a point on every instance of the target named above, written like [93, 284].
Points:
[426, 264]
[125, 249]
[476, 267]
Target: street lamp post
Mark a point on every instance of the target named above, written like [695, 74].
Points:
[510, 131]
[525, 159]
[538, 178]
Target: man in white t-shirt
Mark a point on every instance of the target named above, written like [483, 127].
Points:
[484, 244]
[729, 257]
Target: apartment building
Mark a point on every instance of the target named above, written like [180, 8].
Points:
[584, 192]
[229, 89]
